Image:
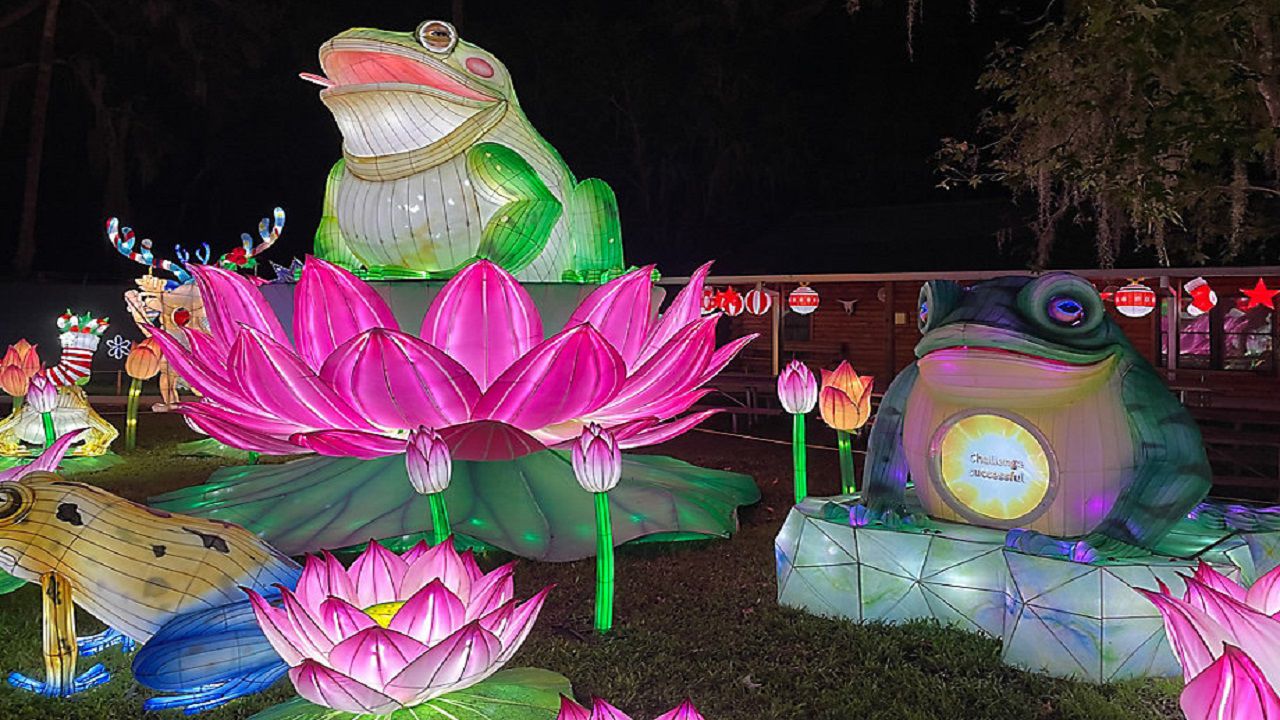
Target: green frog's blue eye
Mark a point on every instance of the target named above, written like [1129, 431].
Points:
[1066, 311]
[924, 313]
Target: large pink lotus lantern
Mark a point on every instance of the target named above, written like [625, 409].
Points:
[507, 395]
[1227, 639]
[353, 384]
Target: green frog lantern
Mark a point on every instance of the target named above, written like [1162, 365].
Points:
[440, 166]
[1028, 409]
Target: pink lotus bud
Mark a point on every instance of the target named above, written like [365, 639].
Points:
[42, 395]
[597, 461]
[797, 388]
[428, 460]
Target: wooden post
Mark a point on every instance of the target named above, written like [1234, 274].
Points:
[890, 362]
[1171, 326]
[775, 323]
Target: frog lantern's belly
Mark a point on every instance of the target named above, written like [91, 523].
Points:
[1006, 440]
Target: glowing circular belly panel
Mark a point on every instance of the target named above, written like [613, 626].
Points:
[993, 467]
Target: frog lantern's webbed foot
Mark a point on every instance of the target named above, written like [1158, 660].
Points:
[1034, 543]
[208, 658]
[91, 645]
[90, 678]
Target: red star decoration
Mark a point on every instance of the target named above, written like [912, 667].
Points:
[1260, 295]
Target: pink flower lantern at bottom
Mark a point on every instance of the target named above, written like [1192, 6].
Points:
[601, 710]
[395, 631]
[1227, 639]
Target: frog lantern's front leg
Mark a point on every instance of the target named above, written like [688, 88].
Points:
[60, 647]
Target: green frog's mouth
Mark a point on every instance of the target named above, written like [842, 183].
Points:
[990, 339]
[359, 65]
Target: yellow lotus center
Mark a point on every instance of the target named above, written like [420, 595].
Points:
[383, 612]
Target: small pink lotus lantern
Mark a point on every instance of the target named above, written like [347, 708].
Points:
[798, 393]
[393, 631]
[1226, 638]
[601, 710]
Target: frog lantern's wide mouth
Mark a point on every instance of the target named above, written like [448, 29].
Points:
[982, 364]
[389, 99]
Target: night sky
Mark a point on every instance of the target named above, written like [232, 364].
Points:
[776, 136]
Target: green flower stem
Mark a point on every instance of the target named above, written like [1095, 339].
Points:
[439, 518]
[604, 564]
[253, 458]
[847, 484]
[131, 415]
[799, 457]
[49, 433]
[17, 402]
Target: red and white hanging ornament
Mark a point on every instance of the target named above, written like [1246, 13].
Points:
[803, 300]
[730, 302]
[758, 301]
[1203, 298]
[1135, 300]
[709, 300]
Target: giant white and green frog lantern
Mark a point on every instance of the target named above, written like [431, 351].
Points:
[1027, 408]
[440, 166]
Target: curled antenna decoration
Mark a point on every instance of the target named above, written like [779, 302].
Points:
[125, 243]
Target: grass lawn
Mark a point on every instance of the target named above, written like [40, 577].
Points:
[697, 619]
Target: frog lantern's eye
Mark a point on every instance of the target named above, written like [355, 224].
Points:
[15, 502]
[437, 36]
[1065, 311]
[937, 299]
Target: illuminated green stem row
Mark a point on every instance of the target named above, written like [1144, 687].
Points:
[131, 415]
[49, 433]
[604, 565]
[439, 518]
[799, 458]
[847, 484]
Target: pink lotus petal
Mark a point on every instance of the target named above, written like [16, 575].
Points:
[233, 433]
[514, 632]
[1195, 638]
[431, 615]
[231, 301]
[375, 655]
[1232, 688]
[198, 373]
[47, 461]
[684, 711]
[331, 306]
[398, 381]
[377, 575]
[349, 443]
[491, 592]
[202, 345]
[666, 431]
[668, 406]
[684, 309]
[620, 311]
[570, 374]
[255, 421]
[308, 636]
[470, 565]
[484, 319]
[330, 688]
[723, 357]
[671, 370]
[276, 627]
[315, 582]
[489, 440]
[1255, 633]
[1264, 595]
[570, 710]
[340, 619]
[1219, 582]
[279, 381]
[464, 658]
[601, 710]
[419, 549]
[441, 562]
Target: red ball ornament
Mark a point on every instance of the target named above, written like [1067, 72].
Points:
[1135, 300]
[758, 302]
[803, 300]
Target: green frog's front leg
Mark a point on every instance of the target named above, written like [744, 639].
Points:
[61, 650]
[884, 475]
[1172, 474]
